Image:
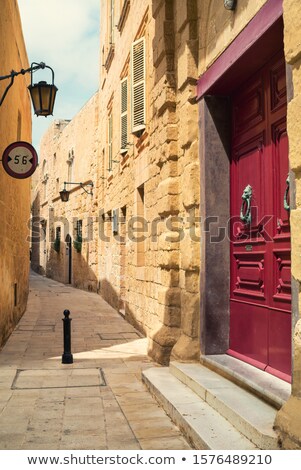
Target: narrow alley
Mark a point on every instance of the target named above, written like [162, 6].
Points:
[99, 401]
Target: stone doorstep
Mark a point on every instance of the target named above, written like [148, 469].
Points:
[203, 427]
[249, 414]
[191, 392]
[269, 388]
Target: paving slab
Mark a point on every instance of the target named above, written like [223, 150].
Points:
[99, 401]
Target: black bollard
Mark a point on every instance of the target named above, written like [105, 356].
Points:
[67, 357]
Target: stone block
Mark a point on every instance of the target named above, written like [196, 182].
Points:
[295, 220]
[288, 424]
[188, 129]
[292, 27]
[191, 314]
[169, 277]
[187, 63]
[170, 296]
[192, 282]
[168, 186]
[168, 205]
[168, 259]
[191, 185]
[190, 254]
[186, 349]
[169, 169]
[166, 336]
[169, 241]
[169, 316]
[293, 126]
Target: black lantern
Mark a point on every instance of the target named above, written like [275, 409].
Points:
[43, 96]
[64, 195]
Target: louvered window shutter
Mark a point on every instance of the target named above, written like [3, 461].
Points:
[138, 86]
[124, 116]
[110, 141]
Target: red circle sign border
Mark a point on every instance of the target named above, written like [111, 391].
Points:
[6, 155]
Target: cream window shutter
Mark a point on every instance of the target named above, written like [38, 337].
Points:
[138, 86]
[124, 116]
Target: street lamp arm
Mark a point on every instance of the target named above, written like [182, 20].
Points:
[82, 186]
[12, 78]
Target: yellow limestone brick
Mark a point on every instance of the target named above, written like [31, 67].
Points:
[292, 27]
[170, 296]
[295, 220]
[293, 126]
[191, 191]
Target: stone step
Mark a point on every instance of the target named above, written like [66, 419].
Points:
[250, 415]
[201, 424]
[266, 386]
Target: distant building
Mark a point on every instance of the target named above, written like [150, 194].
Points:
[64, 246]
[15, 125]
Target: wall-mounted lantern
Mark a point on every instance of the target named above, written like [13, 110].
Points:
[42, 94]
[64, 194]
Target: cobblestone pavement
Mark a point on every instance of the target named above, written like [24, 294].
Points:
[99, 401]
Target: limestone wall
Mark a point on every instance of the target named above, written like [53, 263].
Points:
[288, 420]
[15, 124]
[218, 27]
[126, 281]
[68, 144]
[151, 279]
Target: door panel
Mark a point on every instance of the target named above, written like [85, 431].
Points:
[260, 298]
[249, 331]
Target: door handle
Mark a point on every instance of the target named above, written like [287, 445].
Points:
[285, 202]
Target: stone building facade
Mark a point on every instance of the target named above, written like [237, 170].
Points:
[15, 124]
[68, 154]
[180, 82]
[155, 268]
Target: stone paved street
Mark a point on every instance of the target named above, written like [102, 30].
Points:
[99, 401]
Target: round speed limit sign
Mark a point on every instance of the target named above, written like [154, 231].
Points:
[20, 160]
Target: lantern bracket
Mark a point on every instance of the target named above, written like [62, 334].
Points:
[64, 194]
[82, 186]
[33, 68]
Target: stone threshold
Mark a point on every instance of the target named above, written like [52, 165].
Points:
[269, 388]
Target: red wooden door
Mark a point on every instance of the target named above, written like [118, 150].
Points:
[260, 297]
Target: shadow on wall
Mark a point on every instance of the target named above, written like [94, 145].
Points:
[162, 329]
[35, 260]
[61, 268]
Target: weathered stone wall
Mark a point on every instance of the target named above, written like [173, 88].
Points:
[165, 160]
[66, 143]
[288, 421]
[125, 281]
[15, 124]
[219, 27]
